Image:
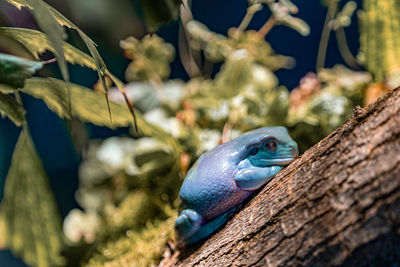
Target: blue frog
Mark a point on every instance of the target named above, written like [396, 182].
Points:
[224, 177]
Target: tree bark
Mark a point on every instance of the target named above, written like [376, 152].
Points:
[338, 204]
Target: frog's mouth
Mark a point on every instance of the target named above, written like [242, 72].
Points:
[276, 161]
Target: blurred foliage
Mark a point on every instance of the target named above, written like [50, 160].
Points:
[98, 17]
[323, 101]
[150, 57]
[147, 246]
[27, 193]
[128, 186]
[283, 11]
[343, 18]
[158, 12]
[31, 220]
[218, 47]
[380, 40]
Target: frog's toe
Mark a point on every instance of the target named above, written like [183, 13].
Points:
[187, 224]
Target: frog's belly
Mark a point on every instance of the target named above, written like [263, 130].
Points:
[213, 197]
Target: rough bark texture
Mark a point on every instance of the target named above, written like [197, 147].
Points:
[338, 204]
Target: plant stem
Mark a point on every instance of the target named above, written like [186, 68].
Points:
[190, 59]
[18, 98]
[251, 10]
[344, 49]
[323, 44]
[267, 26]
[246, 20]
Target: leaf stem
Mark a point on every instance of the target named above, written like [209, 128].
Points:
[246, 21]
[251, 10]
[266, 28]
[18, 98]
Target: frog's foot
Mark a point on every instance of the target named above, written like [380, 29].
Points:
[191, 227]
[251, 177]
[187, 224]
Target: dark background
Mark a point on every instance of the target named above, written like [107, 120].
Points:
[51, 136]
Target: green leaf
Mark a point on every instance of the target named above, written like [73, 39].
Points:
[88, 106]
[14, 70]
[19, 3]
[55, 33]
[158, 12]
[2, 231]
[100, 65]
[46, 21]
[36, 42]
[4, 88]
[14, 47]
[12, 109]
[31, 220]
[120, 87]
[63, 21]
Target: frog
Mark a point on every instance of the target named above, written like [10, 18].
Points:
[223, 178]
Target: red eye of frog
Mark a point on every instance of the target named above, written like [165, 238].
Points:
[270, 146]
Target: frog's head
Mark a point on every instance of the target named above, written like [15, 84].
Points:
[274, 147]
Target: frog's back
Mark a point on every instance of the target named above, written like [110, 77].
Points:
[209, 187]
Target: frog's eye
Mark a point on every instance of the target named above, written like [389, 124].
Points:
[270, 145]
[253, 151]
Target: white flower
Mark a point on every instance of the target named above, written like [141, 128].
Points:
[116, 152]
[79, 225]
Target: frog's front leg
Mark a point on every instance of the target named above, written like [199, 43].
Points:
[251, 177]
[191, 227]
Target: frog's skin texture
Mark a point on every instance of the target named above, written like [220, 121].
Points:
[225, 176]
